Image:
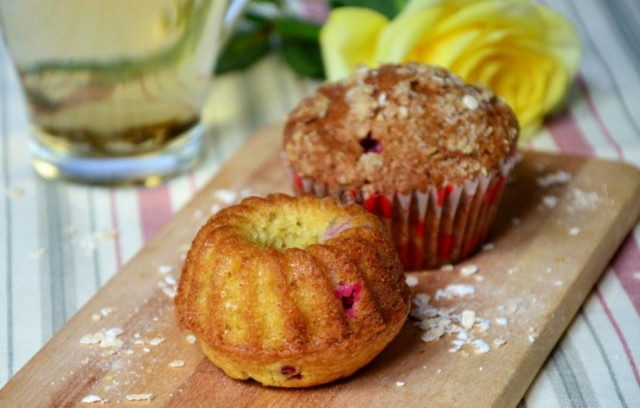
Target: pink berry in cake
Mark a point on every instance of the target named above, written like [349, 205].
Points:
[349, 295]
[291, 372]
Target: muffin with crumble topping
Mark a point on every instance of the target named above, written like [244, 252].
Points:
[414, 144]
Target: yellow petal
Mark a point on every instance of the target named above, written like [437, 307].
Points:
[348, 38]
[400, 36]
[564, 38]
[494, 14]
[445, 50]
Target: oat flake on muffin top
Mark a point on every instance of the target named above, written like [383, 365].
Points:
[399, 128]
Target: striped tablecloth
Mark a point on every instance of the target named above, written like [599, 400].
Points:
[60, 242]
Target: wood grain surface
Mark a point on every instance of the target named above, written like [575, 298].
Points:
[546, 258]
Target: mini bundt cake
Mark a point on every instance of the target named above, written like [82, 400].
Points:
[292, 292]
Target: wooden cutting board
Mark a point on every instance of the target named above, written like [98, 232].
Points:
[547, 255]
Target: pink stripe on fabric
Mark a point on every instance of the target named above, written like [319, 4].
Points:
[592, 109]
[114, 225]
[627, 260]
[154, 206]
[623, 341]
[567, 135]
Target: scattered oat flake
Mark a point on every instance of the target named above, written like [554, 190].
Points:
[226, 196]
[412, 281]
[109, 341]
[479, 278]
[170, 292]
[433, 334]
[113, 332]
[176, 363]
[488, 246]
[139, 397]
[146, 349]
[155, 341]
[480, 346]
[400, 383]
[447, 267]
[421, 299]
[550, 201]
[38, 252]
[531, 338]
[455, 290]
[95, 317]
[499, 342]
[502, 321]
[94, 338]
[70, 231]
[90, 399]
[558, 283]
[164, 269]
[190, 338]
[105, 235]
[574, 231]
[468, 270]
[468, 319]
[559, 177]
[170, 280]
[106, 311]
[14, 193]
[581, 200]
[482, 324]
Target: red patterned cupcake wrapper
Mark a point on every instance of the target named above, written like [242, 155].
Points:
[433, 227]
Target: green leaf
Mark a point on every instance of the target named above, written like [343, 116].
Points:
[389, 8]
[303, 57]
[289, 28]
[244, 48]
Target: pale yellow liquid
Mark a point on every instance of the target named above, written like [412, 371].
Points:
[113, 77]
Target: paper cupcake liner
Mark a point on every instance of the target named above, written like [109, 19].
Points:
[430, 228]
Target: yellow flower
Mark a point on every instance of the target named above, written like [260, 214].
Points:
[523, 51]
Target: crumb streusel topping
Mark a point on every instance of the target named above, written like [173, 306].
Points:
[399, 128]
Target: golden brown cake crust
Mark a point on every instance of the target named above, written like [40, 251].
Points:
[399, 128]
[274, 312]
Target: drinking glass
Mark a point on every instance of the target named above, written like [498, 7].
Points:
[115, 88]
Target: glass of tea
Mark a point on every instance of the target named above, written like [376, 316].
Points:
[115, 88]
